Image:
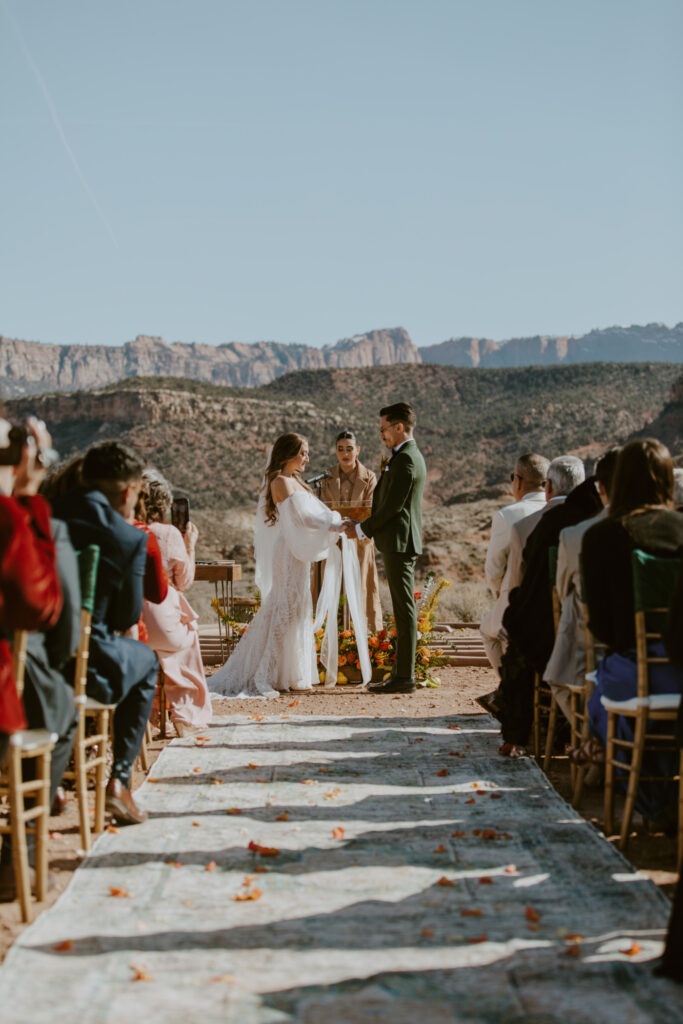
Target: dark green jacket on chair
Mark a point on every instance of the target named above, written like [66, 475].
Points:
[395, 523]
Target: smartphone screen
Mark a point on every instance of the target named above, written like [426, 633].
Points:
[180, 513]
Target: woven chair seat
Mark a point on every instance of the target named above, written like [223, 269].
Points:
[33, 739]
[655, 702]
[95, 705]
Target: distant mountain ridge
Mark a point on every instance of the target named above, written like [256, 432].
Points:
[651, 343]
[211, 441]
[32, 367]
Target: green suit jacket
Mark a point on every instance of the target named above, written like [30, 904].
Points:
[395, 523]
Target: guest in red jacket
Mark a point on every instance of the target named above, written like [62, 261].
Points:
[30, 595]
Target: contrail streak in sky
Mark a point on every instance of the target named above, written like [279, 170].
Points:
[58, 125]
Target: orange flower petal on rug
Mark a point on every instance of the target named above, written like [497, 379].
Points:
[440, 849]
[115, 890]
[233, 810]
[338, 833]
[64, 947]
[260, 869]
[283, 817]
[444, 771]
[113, 828]
[447, 883]
[458, 835]
[427, 933]
[263, 851]
[496, 796]
[471, 800]
[532, 915]
[574, 950]
[470, 913]
[211, 866]
[140, 974]
[174, 863]
[479, 938]
[247, 894]
[293, 704]
[632, 950]
[485, 880]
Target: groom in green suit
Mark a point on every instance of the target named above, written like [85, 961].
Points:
[395, 525]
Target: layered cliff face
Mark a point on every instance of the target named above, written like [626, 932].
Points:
[30, 367]
[212, 441]
[652, 343]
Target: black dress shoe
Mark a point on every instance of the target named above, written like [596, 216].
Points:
[395, 684]
[121, 805]
[488, 703]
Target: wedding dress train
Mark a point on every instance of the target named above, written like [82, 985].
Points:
[277, 652]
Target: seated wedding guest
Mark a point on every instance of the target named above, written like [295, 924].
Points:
[121, 670]
[567, 663]
[671, 964]
[30, 594]
[528, 619]
[48, 696]
[172, 624]
[678, 488]
[528, 482]
[351, 481]
[155, 583]
[641, 515]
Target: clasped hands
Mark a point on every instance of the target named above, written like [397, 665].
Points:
[349, 528]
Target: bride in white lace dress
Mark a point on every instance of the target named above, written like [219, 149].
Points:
[277, 652]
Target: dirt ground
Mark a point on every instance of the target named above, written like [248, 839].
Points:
[460, 686]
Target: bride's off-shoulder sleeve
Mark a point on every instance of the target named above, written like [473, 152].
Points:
[308, 526]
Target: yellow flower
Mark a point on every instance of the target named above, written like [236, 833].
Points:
[321, 676]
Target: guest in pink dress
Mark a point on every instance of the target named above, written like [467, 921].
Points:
[172, 624]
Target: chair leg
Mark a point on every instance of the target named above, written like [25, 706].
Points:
[101, 773]
[41, 829]
[162, 706]
[537, 716]
[680, 812]
[634, 776]
[18, 826]
[144, 755]
[81, 782]
[550, 738]
[609, 774]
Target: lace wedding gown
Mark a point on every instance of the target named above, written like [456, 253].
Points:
[277, 652]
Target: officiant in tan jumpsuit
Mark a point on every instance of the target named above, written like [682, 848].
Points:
[351, 481]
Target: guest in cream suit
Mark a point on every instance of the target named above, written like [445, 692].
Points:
[351, 481]
[567, 663]
[528, 481]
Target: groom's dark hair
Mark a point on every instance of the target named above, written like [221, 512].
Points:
[400, 412]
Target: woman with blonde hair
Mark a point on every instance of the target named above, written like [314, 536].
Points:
[172, 624]
[293, 529]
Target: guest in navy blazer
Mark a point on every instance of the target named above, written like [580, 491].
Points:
[121, 670]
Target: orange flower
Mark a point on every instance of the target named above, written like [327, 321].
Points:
[263, 851]
[342, 660]
[373, 641]
[247, 894]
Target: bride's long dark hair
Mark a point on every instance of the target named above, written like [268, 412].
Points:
[285, 448]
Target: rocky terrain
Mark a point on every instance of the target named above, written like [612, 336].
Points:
[211, 441]
[651, 343]
[31, 367]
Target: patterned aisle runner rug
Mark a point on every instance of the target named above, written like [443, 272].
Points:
[334, 871]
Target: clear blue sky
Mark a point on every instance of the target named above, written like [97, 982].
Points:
[303, 170]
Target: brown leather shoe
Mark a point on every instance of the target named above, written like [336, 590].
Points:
[121, 805]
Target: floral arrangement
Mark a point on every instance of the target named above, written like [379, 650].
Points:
[237, 628]
[382, 645]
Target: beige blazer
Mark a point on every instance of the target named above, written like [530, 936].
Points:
[362, 490]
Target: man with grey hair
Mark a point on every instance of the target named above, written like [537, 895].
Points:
[528, 619]
[678, 487]
[564, 474]
[528, 481]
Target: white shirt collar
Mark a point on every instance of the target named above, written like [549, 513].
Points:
[399, 446]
